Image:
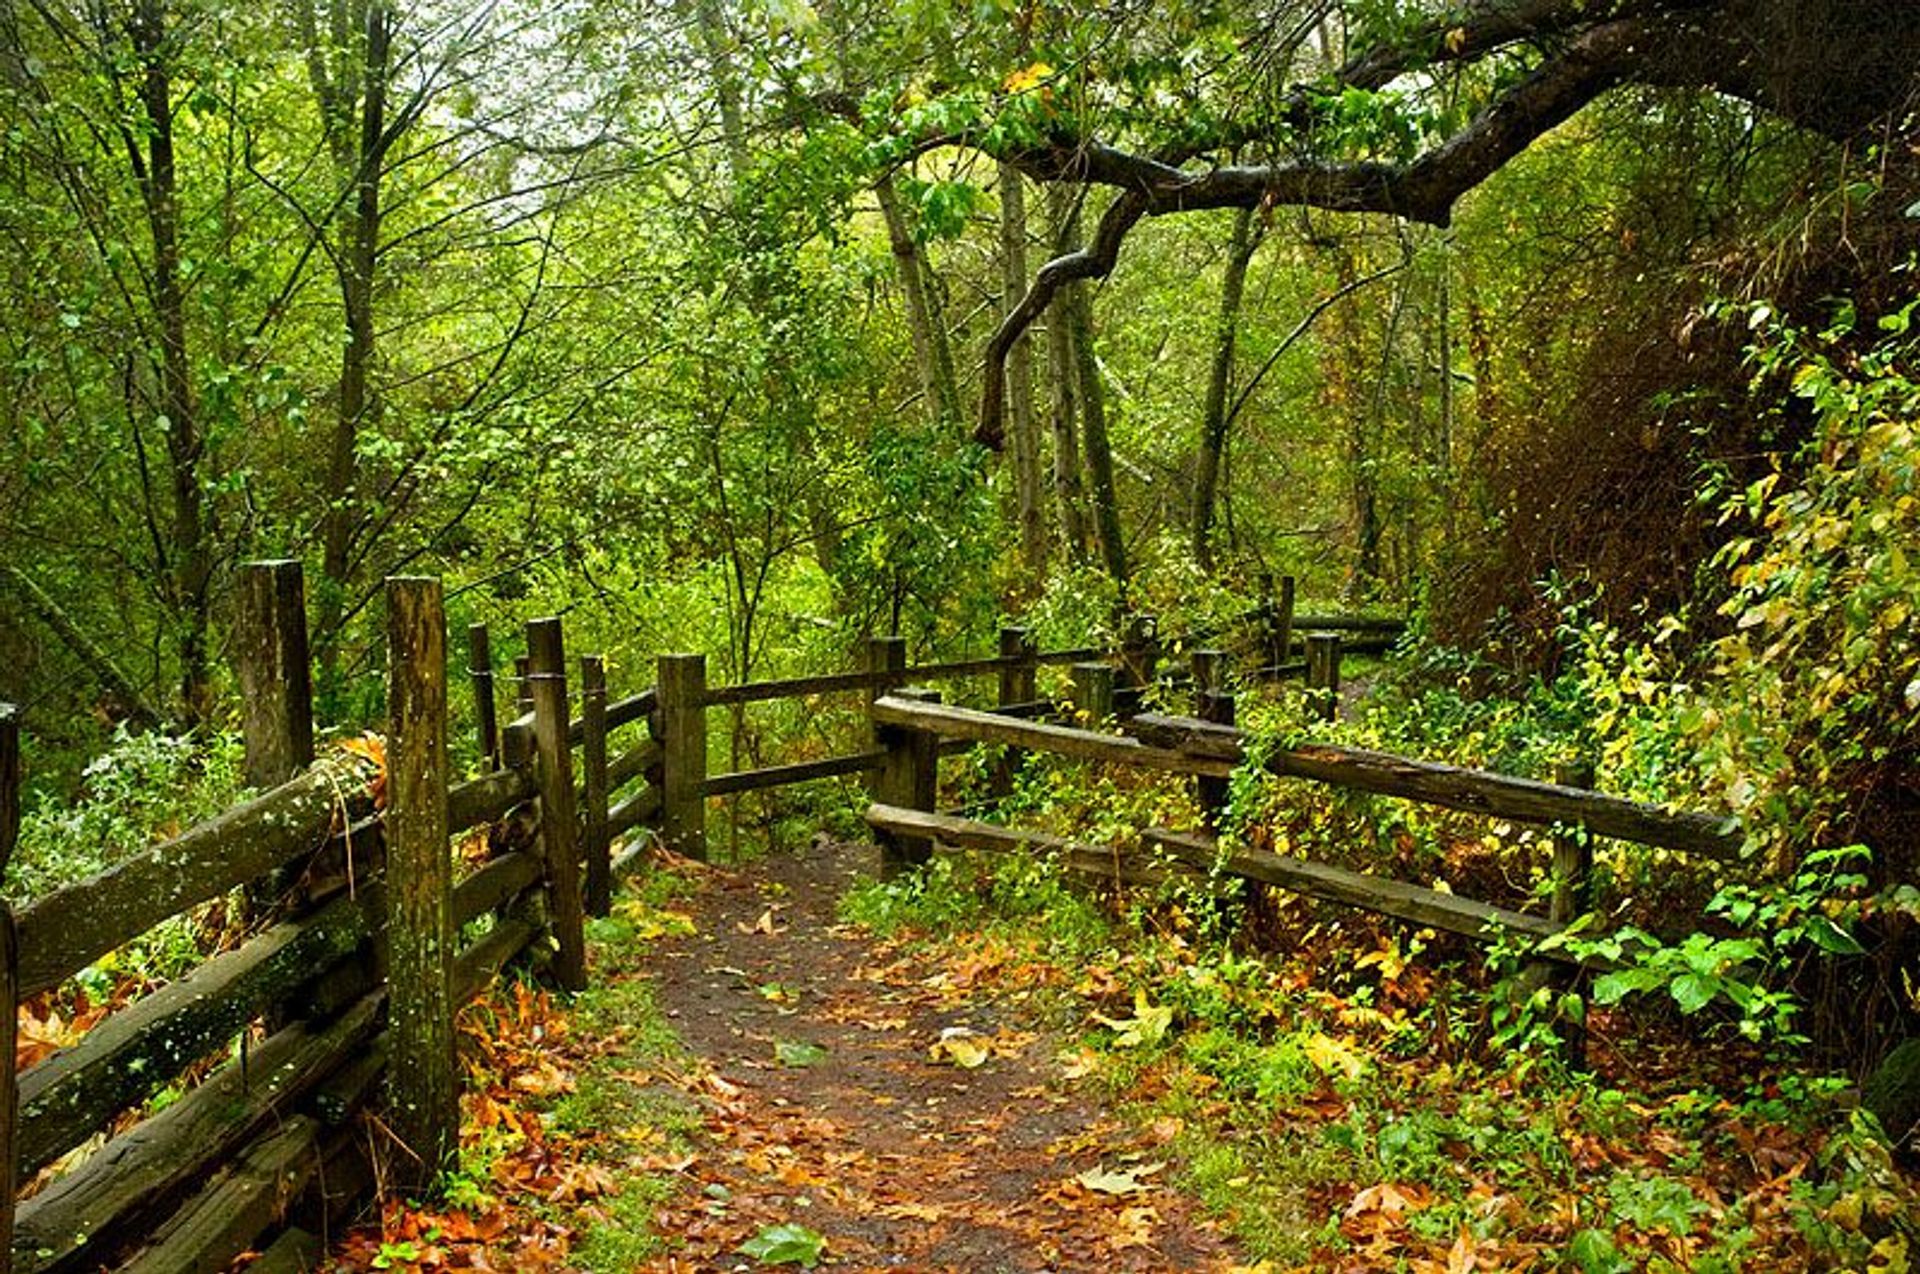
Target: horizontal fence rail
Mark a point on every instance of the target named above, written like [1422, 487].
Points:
[1210, 751]
[1458, 788]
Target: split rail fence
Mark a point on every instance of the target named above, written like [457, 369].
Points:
[365, 942]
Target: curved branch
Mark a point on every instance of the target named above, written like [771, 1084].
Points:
[1423, 190]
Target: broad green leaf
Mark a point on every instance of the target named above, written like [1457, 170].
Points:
[1693, 991]
[786, 1244]
[1829, 936]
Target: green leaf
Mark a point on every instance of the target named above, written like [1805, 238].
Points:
[1595, 1252]
[1611, 988]
[1694, 991]
[1830, 937]
[786, 1244]
[798, 1053]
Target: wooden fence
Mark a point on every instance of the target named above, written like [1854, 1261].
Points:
[365, 942]
[1202, 748]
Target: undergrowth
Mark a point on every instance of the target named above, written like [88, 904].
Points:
[1345, 1103]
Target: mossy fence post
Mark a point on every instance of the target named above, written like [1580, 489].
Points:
[1211, 702]
[559, 821]
[1019, 684]
[1276, 619]
[909, 779]
[9, 977]
[1323, 673]
[593, 761]
[1093, 686]
[682, 734]
[422, 1078]
[275, 672]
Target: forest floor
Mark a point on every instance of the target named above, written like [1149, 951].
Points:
[754, 1084]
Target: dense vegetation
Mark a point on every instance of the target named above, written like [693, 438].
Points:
[1582, 332]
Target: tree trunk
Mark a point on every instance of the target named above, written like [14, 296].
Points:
[1093, 425]
[1213, 428]
[1063, 207]
[931, 353]
[189, 581]
[1023, 431]
[358, 401]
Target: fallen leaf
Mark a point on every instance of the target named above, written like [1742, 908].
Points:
[786, 1244]
[1122, 1182]
[1148, 1025]
[960, 1046]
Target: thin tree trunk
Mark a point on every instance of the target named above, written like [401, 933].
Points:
[1214, 423]
[123, 696]
[1093, 432]
[930, 350]
[1024, 434]
[1063, 206]
[1443, 445]
[358, 401]
[190, 579]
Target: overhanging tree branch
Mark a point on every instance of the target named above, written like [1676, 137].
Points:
[1424, 190]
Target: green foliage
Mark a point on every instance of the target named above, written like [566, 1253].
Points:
[1823, 661]
[145, 787]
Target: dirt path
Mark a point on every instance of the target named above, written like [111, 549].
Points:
[827, 1109]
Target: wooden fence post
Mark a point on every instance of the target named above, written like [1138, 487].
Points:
[1019, 681]
[1019, 684]
[422, 1077]
[275, 673]
[1211, 702]
[559, 825]
[486, 717]
[1093, 691]
[1140, 650]
[887, 659]
[9, 979]
[683, 748]
[516, 741]
[1572, 895]
[593, 759]
[1323, 673]
[908, 778]
[1276, 614]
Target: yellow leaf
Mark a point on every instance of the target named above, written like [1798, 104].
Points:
[1332, 1055]
[1028, 77]
[1148, 1025]
[959, 1046]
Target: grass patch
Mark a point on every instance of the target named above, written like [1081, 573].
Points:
[630, 1124]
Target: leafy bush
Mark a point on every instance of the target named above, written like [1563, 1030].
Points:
[146, 787]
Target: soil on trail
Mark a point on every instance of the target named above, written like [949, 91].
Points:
[830, 1110]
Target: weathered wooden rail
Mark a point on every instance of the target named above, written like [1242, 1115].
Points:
[1206, 750]
[366, 943]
